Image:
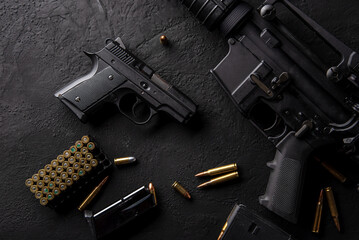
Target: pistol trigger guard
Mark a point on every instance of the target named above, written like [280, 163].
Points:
[136, 105]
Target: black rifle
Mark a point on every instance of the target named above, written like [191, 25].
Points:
[282, 87]
[119, 77]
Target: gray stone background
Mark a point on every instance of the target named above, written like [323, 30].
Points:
[41, 50]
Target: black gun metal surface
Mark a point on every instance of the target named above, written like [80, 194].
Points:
[41, 48]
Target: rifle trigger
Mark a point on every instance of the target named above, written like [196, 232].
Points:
[261, 85]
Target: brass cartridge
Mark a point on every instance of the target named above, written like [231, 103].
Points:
[79, 144]
[92, 195]
[332, 206]
[43, 201]
[73, 149]
[318, 213]
[91, 146]
[124, 160]
[29, 182]
[42, 172]
[178, 187]
[219, 180]
[85, 139]
[218, 170]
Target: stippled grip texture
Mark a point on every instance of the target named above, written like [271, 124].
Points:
[285, 185]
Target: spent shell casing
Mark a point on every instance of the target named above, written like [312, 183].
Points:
[79, 144]
[78, 155]
[48, 168]
[33, 188]
[87, 167]
[46, 179]
[178, 187]
[67, 154]
[71, 160]
[84, 150]
[332, 206]
[52, 174]
[92, 195]
[51, 185]
[42, 172]
[124, 160]
[68, 182]
[335, 173]
[38, 194]
[218, 170]
[43, 201]
[35, 177]
[91, 146]
[219, 180]
[60, 158]
[65, 164]
[62, 186]
[85, 139]
[56, 191]
[29, 182]
[93, 162]
[318, 213]
[164, 40]
[54, 163]
[73, 149]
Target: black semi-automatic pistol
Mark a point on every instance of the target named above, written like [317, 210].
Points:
[285, 88]
[119, 77]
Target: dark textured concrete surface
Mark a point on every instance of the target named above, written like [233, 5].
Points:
[41, 50]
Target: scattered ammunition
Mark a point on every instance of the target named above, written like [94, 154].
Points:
[51, 185]
[91, 146]
[87, 167]
[38, 195]
[92, 195]
[33, 188]
[81, 172]
[40, 184]
[164, 40]
[76, 166]
[43, 201]
[67, 154]
[48, 168]
[220, 179]
[79, 144]
[181, 190]
[65, 164]
[69, 181]
[318, 213]
[88, 156]
[42, 172]
[78, 155]
[45, 190]
[85, 139]
[50, 196]
[53, 174]
[125, 160]
[75, 177]
[73, 149]
[46, 179]
[62, 186]
[218, 170]
[70, 170]
[153, 192]
[59, 169]
[60, 158]
[64, 175]
[56, 191]
[332, 206]
[58, 180]
[35, 177]
[54, 163]
[82, 161]
[332, 170]
[29, 182]
[93, 162]
[84, 150]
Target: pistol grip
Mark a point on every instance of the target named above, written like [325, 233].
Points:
[285, 184]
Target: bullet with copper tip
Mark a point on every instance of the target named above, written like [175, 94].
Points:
[124, 160]
[218, 170]
[178, 187]
[332, 206]
[318, 213]
[219, 180]
[164, 40]
[335, 173]
[92, 195]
